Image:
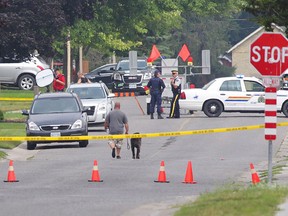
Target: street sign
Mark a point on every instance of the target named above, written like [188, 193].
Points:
[269, 54]
[271, 81]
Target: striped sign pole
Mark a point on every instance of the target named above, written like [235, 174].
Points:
[270, 123]
[270, 113]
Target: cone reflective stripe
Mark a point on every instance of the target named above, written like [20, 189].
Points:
[162, 174]
[95, 174]
[255, 177]
[189, 174]
[11, 177]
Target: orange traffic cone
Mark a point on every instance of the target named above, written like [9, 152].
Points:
[11, 175]
[255, 177]
[162, 174]
[189, 174]
[95, 173]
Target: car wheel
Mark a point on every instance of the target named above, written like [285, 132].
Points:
[31, 145]
[83, 144]
[285, 108]
[26, 82]
[213, 108]
[148, 108]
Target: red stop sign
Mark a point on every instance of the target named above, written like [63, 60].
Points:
[269, 54]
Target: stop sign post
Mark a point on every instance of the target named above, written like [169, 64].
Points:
[269, 55]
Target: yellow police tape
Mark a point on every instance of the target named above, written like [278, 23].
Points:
[16, 99]
[147, 135]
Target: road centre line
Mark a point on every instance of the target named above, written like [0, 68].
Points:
[147, 135]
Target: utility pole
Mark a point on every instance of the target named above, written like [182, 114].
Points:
[68, 60]
[81, 59]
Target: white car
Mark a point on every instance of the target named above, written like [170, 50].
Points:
[231, 94]
[97, 98]
[21, 72]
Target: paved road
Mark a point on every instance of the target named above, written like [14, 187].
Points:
[53, 179]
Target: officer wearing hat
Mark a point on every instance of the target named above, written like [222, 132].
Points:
[176, 90]
[156, 86]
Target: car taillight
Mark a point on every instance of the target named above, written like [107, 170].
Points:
[41, 68]
[183, 95]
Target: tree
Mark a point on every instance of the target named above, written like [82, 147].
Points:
[121, 25]
[267, 12]
[3, 4]
[29, 26]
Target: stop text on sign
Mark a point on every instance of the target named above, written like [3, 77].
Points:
[270, 55]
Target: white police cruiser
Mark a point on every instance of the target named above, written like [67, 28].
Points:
[231, 94]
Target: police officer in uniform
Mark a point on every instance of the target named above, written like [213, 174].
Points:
[156, 86]
[176, 90]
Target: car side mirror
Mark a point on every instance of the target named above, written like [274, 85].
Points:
[25, 112]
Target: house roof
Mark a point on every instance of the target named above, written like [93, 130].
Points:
[254, 33]
[246, 38]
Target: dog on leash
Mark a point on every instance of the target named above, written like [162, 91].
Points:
[136, 144]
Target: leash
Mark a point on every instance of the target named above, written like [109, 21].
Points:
[128, 145]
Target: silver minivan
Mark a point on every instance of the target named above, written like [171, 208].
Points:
[21, 73]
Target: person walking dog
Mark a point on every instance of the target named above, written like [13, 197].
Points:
[116, 121]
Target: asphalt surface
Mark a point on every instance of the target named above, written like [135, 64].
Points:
[164, 209]
[167, 208]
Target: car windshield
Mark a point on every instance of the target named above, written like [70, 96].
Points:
[141, 65]
[205, 87]
[55, 105]
[88, 92]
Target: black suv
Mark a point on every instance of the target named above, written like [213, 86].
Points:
[124, 81]
[56, 114]
[103, 73]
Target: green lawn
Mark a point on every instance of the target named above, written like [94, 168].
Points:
[11, 129]
[12, 113]
[237, 201]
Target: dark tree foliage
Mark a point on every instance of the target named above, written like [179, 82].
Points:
[3, 4]
[78, 9]
[30, 25]
[269, 11]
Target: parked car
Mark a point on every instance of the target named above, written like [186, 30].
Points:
[56, 114]
[124, 81]
[231, 94]
[96, 98]
[21, 73]
[103, 73]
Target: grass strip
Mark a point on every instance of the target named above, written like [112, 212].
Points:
[253, 201]
[11, 129]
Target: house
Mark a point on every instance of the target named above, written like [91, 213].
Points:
[239, 55]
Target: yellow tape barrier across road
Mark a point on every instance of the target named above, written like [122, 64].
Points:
[16, 99]
[122, 136]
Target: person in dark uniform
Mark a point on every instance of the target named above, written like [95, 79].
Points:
[176, 90]
[156, 87]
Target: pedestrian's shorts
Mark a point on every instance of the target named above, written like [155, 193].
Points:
[118, 142]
